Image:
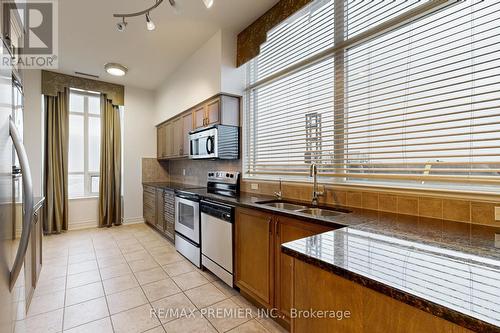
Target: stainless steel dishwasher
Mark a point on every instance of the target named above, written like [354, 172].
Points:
[217, 221]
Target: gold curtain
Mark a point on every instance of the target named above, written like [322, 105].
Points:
[110, 169]
[56, 162]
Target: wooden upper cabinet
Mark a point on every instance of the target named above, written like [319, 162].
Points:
[169, 140]
[254, 259]
[173, 135]
[199, 115]
[178, 144]
[213, 112]
[187, 122]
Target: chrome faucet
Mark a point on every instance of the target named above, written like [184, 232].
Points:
[313, 172]
[279, 195]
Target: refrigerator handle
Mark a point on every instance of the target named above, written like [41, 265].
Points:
[28, 203]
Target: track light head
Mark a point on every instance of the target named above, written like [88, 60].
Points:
[149, 23]
[208, 3]
[121, 26]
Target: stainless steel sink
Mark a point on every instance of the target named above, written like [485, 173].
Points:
[314, 211]
[320, 212]
[283, 205]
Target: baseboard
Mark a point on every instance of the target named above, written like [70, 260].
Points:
[78, 225]
[133, 220]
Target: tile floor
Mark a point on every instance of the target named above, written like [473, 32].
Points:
[110, 280]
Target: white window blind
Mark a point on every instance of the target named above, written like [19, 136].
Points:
[418, 104]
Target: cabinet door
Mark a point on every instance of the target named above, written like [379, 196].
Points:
[168, 140]
[160, 141]
[213, 112]
[288, 230]
[187, 122]
[199, 116]
[254, 255]
[178, 142]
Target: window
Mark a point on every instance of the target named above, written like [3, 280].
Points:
[84, 143]
[402, 93]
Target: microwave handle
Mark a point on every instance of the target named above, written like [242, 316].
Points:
[211, 149]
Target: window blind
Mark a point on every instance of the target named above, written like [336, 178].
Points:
[416, 103]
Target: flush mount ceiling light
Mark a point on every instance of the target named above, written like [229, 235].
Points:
[115, 69]
[121, 26]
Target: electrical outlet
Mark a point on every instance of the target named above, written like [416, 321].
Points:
[497, 213]
[183, 172]
[255, 186]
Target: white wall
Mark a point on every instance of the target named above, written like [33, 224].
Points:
[139, 142]
[195, 80]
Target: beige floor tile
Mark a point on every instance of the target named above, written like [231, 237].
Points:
[271, 326]
[158, 329]
[126, 300]
[226, 315]
[50, 322]
[142, 265]
[82, 257]
[98, 326]
[86, 312]
[151, 275]
[227, 290]
[245, 304]
[252, 326]
[178, 268]
[84, 293]
[81, 279]
[52, 272]
[205, 295]
[168, 258]
[107, 252]
[81, 267]
[190, 280]
[46, 303]
[132, 248]
[194, 323]
[160, 289]
[136, 320]
[120, 283]
[111, 261]
[173, 307]
[49, 287]
[137, 255]
[115, 271]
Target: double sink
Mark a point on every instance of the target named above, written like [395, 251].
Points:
[300, 208]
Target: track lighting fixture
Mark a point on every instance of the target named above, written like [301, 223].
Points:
[121, 26]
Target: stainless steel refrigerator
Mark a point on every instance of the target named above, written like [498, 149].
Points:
[13, 161]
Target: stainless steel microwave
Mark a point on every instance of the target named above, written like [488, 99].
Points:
[215, 142]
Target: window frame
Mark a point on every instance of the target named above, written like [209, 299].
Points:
[341, 44]
[87, 174]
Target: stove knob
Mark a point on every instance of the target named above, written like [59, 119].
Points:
[231, 175]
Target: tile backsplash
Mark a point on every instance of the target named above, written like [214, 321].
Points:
[195, 173]
[469, 211]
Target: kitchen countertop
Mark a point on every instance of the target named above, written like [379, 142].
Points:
[446, 268]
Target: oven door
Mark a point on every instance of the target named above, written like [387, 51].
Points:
[187, 218]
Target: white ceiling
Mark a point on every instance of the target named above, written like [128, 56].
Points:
[88, 37]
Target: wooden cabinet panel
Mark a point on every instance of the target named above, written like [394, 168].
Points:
[168, 140]
[213, 112]
[254, 259]
[370, 311]
[187, 126]
[199, 115]
[289, 230]
[178, 142]
[158, 220]
[169, 214]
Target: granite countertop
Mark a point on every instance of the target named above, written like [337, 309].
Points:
[171, 185]
[449, 269]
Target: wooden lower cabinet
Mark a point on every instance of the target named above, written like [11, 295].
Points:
[159, 210]
[254, 255]
[369, 311]
[263, 272]
[289, 230]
